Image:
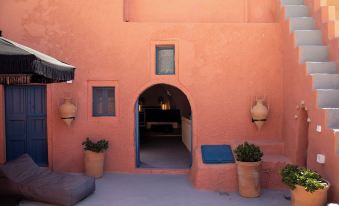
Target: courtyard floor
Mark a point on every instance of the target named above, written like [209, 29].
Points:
[165, 190]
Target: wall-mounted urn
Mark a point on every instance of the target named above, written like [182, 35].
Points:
[68, 111]
[259, 112]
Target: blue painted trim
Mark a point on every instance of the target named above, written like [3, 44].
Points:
[137, 135]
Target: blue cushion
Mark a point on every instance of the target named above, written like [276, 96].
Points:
[217, 154]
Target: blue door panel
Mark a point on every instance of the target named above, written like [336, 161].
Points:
[14, 97]
[26, 122]
[38, 150]
[37, 147]
[16, 148]
[36, 127]
[12, 129]
[36, 105]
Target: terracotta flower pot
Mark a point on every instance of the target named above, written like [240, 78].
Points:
[249, 178]
[94, 163]
[301, 197]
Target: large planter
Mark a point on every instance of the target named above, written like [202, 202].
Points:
[300, 197]
[94, 163]
[249, 178]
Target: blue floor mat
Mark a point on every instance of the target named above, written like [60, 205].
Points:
[217, 154]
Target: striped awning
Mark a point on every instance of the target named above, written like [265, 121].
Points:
[23, 65]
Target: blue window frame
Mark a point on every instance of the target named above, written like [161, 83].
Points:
[103, 101]
[165, 60]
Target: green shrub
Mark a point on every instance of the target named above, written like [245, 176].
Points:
[248, 153]
[100, 146]
[293, 175]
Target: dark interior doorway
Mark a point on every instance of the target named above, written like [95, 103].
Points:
[164, 128]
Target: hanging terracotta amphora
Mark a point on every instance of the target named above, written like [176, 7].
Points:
[259, 112]
[68, 111]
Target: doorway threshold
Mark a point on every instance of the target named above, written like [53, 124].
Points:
[163, 171]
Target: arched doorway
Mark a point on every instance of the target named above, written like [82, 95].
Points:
[163, 128]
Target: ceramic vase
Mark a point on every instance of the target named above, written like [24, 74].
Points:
[68, 111]
[259, 113]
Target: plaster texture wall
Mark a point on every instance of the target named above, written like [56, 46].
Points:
[239, 11]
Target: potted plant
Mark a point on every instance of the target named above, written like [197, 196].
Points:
[94, 157]
[307, 186]
[248, 167]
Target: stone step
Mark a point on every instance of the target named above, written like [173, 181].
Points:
[326, 81]
[321, 67]
[332, 117]
[296, 11]
[328, 98]
[292, 2]
[302, 23]
[313, 53]
[308, 37]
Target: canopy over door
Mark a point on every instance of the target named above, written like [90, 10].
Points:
[22, 65]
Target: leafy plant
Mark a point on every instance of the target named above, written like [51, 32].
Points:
[293, 175]
[99, 146]
[248, 153]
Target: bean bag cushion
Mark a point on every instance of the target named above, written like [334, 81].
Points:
[7, 188]
[10, 200]
[41, 184]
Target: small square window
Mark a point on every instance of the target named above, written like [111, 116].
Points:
[165, 63]
[103, 101]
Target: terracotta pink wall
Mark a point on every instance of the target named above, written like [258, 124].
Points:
[221, 68]
[298, 88]
[200, 11]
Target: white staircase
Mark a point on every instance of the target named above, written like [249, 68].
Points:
[301, 23]
[314, 54]
[308, 37]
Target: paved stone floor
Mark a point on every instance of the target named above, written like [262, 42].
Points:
[166, 190]
[164, 152]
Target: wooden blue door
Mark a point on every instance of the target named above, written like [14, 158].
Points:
[26, 130]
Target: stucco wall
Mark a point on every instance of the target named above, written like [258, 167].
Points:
[221, 67]
[200, 11]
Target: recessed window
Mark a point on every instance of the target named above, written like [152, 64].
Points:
[103, 101]
[165, 63]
